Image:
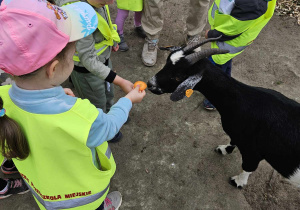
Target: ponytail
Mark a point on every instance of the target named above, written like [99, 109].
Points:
[12, 140]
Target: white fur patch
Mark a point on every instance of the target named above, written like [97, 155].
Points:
[176, 56]
[295, 178]
[241, 179]
[198, 49]
[153, 81]
[223, 148]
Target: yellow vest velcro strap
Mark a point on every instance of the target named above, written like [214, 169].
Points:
[232, 49]
[67, 204]
[108, 152]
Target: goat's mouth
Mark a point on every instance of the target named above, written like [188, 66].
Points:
[155, 90]
[153, 87]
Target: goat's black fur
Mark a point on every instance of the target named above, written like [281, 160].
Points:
[262, 123]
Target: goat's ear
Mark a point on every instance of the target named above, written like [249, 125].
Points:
[170, 48]
[189, 83]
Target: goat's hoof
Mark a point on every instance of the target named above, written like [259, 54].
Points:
[233, 183]
[218, 150]
[221, 149]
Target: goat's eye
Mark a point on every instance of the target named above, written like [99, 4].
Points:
[176, 78]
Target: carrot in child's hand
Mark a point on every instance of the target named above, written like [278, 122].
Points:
[142, 85]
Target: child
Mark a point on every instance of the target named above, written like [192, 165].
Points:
[57, 142]
[239, 23]
[9, 187]
[93, 72]
[124, 6]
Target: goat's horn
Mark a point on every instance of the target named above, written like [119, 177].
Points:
[191, 47]
[193, 58]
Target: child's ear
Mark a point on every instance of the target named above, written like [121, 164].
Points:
[51, 67]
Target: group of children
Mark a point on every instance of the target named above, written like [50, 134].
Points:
[42, 122]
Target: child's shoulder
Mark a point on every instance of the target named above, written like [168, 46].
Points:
[249, 9]
[4, 88]
[85, 109]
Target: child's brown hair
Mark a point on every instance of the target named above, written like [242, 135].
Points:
[12, 139]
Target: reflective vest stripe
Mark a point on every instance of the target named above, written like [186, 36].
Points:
[72, 203]
[214, 8]
[99, 50]
[232, 49]
[67, 204]
[108, 152]
[226, 6]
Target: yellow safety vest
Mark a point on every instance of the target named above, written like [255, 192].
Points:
[249, 30]
[1, 159]
[59, 170]
[109, 31]
[132, 5]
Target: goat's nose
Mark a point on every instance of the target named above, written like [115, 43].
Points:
[152, 82]
[149, 84]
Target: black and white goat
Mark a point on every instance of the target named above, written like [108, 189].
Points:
[262, 123]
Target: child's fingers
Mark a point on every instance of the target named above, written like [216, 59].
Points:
[143, 93]
[69, 92]
[137, 88]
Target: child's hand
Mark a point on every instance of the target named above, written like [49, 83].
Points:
[116, 48]
[124, 84]
[206, 34]
[69, 92]
[136, 96]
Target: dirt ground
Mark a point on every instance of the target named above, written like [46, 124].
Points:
[166, 160]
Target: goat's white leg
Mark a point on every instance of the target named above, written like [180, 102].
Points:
[225, 149]
[251, 159]
[240, 180]
[295, 178]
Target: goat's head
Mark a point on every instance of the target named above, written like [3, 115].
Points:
[180, 72]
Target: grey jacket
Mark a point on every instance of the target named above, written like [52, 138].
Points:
[87, 52]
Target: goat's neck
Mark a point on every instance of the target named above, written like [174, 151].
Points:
[216, 86]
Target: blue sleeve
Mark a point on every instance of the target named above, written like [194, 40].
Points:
[106, 126]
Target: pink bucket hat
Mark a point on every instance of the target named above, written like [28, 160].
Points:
[33, 32]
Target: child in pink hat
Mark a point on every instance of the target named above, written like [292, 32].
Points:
[124, 6]
[57, 142]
